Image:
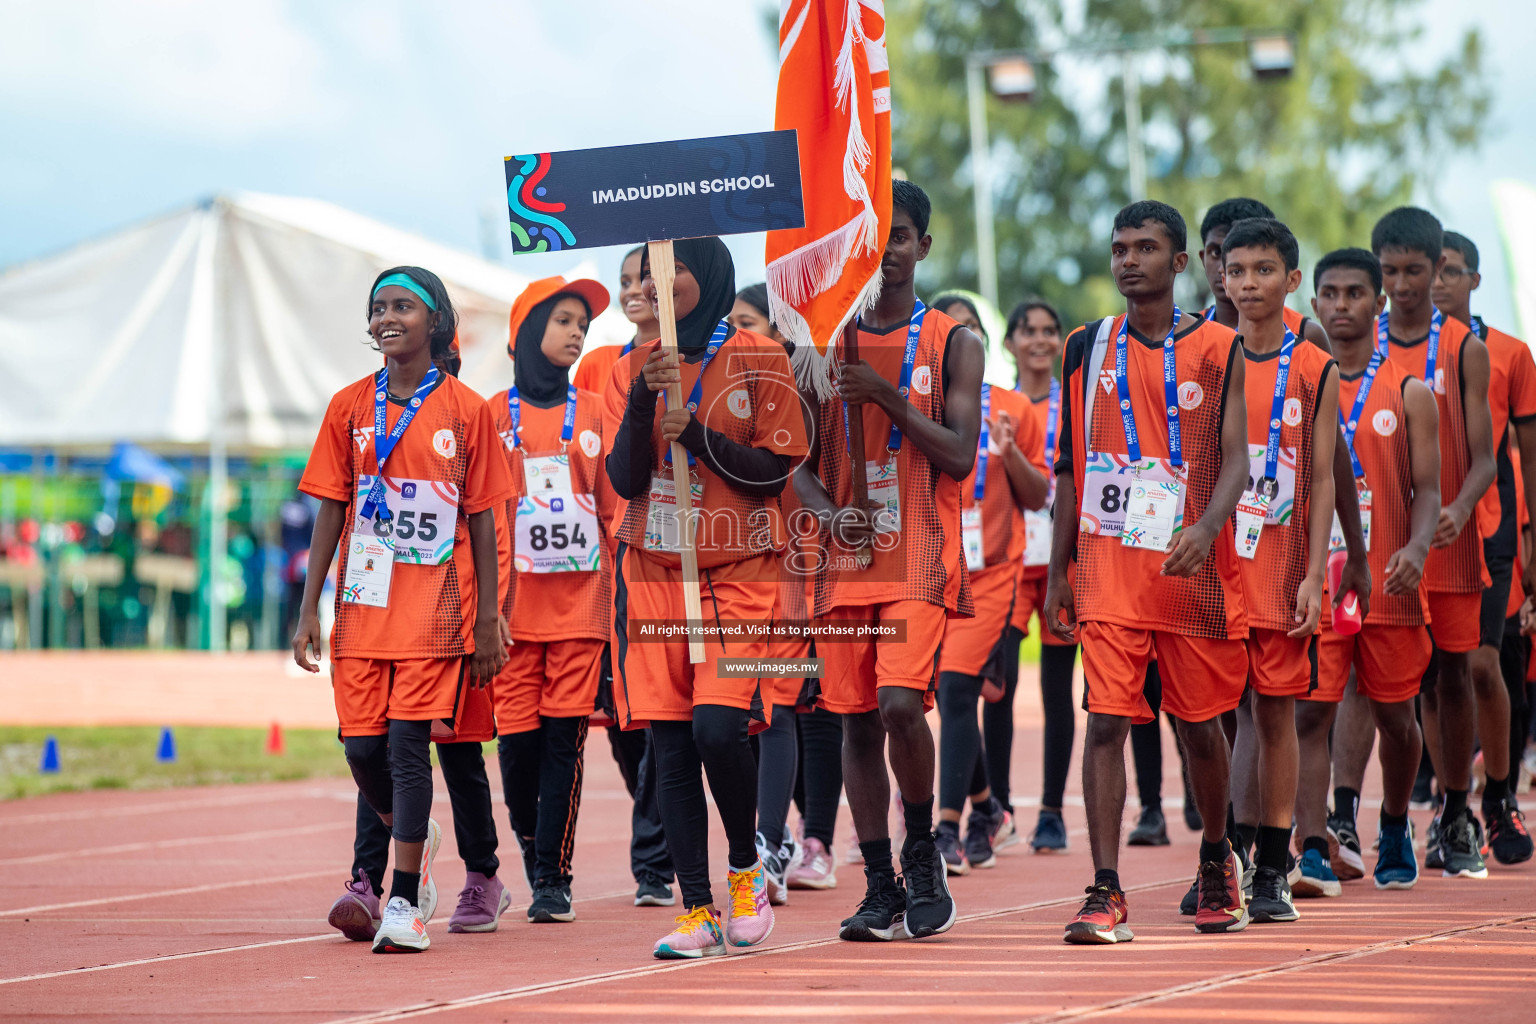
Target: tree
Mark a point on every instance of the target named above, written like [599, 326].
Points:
[1348, 136]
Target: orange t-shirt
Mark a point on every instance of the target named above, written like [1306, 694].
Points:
[595, 371]
[1124, 585]
[750, 396]
[923, 560]
[1459, 567]
[1279, 564]
[1511, 399]
[451, 445]
[1382, 446]
[549, 606]
[1002, 521]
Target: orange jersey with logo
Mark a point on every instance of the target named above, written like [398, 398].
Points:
[1002, 522]
[1279, 564]
[1511, 399]
[452, 444]
[1458, 568]
[1381, 445]
[923, 561]
[1124, 585]
[750, 396]
[548, 606]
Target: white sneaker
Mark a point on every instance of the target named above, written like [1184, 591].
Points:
[426, 892]
[403, 930]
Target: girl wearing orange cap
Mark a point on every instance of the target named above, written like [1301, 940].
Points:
[561, 595]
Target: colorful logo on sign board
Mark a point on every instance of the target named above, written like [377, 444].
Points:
[539, 231]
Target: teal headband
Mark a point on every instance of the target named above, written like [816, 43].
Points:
[408, 283]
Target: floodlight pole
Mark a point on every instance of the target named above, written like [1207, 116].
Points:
[1135, 153]
[981, 183]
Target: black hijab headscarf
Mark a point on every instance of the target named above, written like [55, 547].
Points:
[710, 263]
[539, 381]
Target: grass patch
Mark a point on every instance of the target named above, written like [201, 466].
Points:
[123, 757]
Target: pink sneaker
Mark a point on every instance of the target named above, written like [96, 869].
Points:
[814, 869]
[751, 917]
[697, 934]
[356, 913]
[481, 904]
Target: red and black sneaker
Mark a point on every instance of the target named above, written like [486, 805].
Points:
[1102, 919]
[1222, 907]
[1508, 839]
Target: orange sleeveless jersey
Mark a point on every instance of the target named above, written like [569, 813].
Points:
[925, 561]
[750, 396]
[1381, 445]
[1123, 585]
[1511, 399]
[452, 441]
[1002, 523]
[1458, 568]
[549, 606]
[1272, 576]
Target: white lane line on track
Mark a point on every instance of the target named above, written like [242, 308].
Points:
[163, 893]
[545, 988]
[167, 844]
[232, 800]
[1303, 964]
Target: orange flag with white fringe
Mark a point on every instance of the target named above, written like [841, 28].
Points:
[835, 91]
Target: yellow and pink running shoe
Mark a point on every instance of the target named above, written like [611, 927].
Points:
[697, 934]
[751, 918]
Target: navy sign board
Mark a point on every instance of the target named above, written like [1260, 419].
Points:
[726, 185]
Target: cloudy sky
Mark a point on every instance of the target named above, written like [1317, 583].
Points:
[112, 112]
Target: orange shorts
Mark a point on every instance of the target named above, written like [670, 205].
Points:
[370, 691]
[1281, 666]
[854, 670]
[1201, 677]
[787, 608]
[558, 679]
[1389, 663]
[968, 643]
[653, 680]
[1458, 620]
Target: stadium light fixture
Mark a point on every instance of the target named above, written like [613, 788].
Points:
[1012, 78]
[1272, 56]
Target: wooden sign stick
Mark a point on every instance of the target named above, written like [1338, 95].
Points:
[856, 458]
[663, 271]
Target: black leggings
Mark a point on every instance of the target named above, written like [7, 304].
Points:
[960, 756]
[1056, 666]
[1514, 656]
[717, 740]
[997, 721]
[394, 775]
[1147, 744]
[648, 859]
[819, 783]
[777, 764]
[541, 775]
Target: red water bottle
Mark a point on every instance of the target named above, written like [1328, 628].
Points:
[1346, 616]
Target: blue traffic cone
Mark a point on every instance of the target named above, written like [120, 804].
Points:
[167, 752]
[50, 763]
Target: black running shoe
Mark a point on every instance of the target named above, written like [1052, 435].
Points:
[946, 839]
[1151, 829]
[551, 903]
[1508, 840]
[878, 918]
[1423, 796]
[530, 860]
[1348, 862]
[930, 908]
[1460, 845]
[1271, 900]
[1191, 901]
[1434, 849]
[651, 891]
[978, 838]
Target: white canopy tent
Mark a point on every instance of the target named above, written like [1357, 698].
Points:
[225, 326]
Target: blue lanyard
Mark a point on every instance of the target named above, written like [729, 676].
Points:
[1170, 395]
[1277, 406]
[514, 410]
[629, 346]
[1209, 312]
[981, 444]
[1477, 326]
[697, 394]
[374, 506]
[908, 361]
[1431, 347]
[1353, 423]
[1052, 418]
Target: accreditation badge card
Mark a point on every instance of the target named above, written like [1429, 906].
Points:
[885, 490]
[1336, 533]
[556, 528]
[970, 538]
[662, 532]
[1252, 511]
[1111, 484]
[370, 565]
[1037, 538]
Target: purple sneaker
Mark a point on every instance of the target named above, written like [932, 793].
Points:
[356, 913]
[481, 904]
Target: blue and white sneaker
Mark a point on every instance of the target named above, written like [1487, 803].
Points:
[1396, 865]
[1317, 877]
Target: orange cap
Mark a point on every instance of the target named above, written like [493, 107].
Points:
[593, 292]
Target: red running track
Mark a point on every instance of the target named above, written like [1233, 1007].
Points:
[209, 904]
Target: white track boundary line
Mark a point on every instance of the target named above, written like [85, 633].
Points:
[159, 893]
[166, 958]
[1303, 964]
[168, 844]
[545, 988]
[233, 800]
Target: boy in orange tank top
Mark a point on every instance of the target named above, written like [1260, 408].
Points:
[1153, 458]
[896, 565]
[1282, 526]
[1454, 364]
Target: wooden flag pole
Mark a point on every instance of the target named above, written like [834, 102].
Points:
[663, 270]
[856, 458]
